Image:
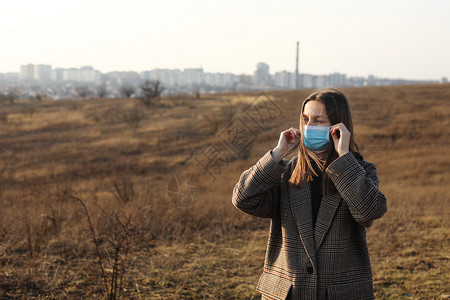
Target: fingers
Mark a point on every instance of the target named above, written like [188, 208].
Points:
[341, 138]
[292, 134]
[334, 136]
[289, 139]
[339, 128]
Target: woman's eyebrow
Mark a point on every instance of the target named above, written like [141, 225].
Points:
[314, 116]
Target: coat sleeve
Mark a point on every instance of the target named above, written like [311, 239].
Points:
[257, 190]
[358, 185]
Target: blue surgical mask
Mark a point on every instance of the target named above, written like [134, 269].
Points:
[316, 138]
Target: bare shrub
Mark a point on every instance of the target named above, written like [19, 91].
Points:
[101, 91]
[122, 189]
[119, 232]
[11, 96]
[151, 90]
[196, 89]
[127, 91]
[35, 233]
[82, 91]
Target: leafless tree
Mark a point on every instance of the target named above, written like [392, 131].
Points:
[151, 91]
[10, 96]
[196, 89]
[101, 91]
[126, 91]
[82, 91]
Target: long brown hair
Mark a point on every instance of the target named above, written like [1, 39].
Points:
[338, 110]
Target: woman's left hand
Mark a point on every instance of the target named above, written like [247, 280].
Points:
[341, 143]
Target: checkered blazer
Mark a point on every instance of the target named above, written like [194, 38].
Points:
[330, 262]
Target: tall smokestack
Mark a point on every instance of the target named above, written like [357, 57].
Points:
[296, 70]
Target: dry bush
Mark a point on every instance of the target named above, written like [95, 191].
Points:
[117, 230]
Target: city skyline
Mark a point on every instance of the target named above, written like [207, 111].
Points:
[262, 74]
[43, 81]
[392, 39]
[271, 71]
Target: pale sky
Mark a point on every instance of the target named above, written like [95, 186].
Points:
[387, 38]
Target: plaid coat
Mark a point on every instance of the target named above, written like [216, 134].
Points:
[330, 262]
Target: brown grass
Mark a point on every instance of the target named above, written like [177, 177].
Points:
[203, 248]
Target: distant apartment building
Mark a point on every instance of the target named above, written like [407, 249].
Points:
[57, 74]
[230, 80]
[85, 74]
[221, 80]
[261, 77]
[320, 81]
[168, 77]
[244, 82]
[35, 72]
[42, 72]
[192, 76]
[9, 78]
[72, 74]
[26, 72]
[12, 77]
[306, 81]
[128, 78]
[356, 81]
[284, 80]
[336, 80]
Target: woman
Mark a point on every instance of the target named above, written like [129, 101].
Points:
[319, 203]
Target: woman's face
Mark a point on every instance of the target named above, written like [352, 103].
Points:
[314, 114]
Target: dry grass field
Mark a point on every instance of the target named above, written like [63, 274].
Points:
[109, 198]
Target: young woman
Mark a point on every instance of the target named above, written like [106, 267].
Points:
[319, 203]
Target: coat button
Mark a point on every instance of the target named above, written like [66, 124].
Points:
[310, 269]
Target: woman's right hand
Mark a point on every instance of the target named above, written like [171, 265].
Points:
[289, 140]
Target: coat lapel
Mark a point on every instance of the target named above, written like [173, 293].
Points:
[300, 202]
[327, 209]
